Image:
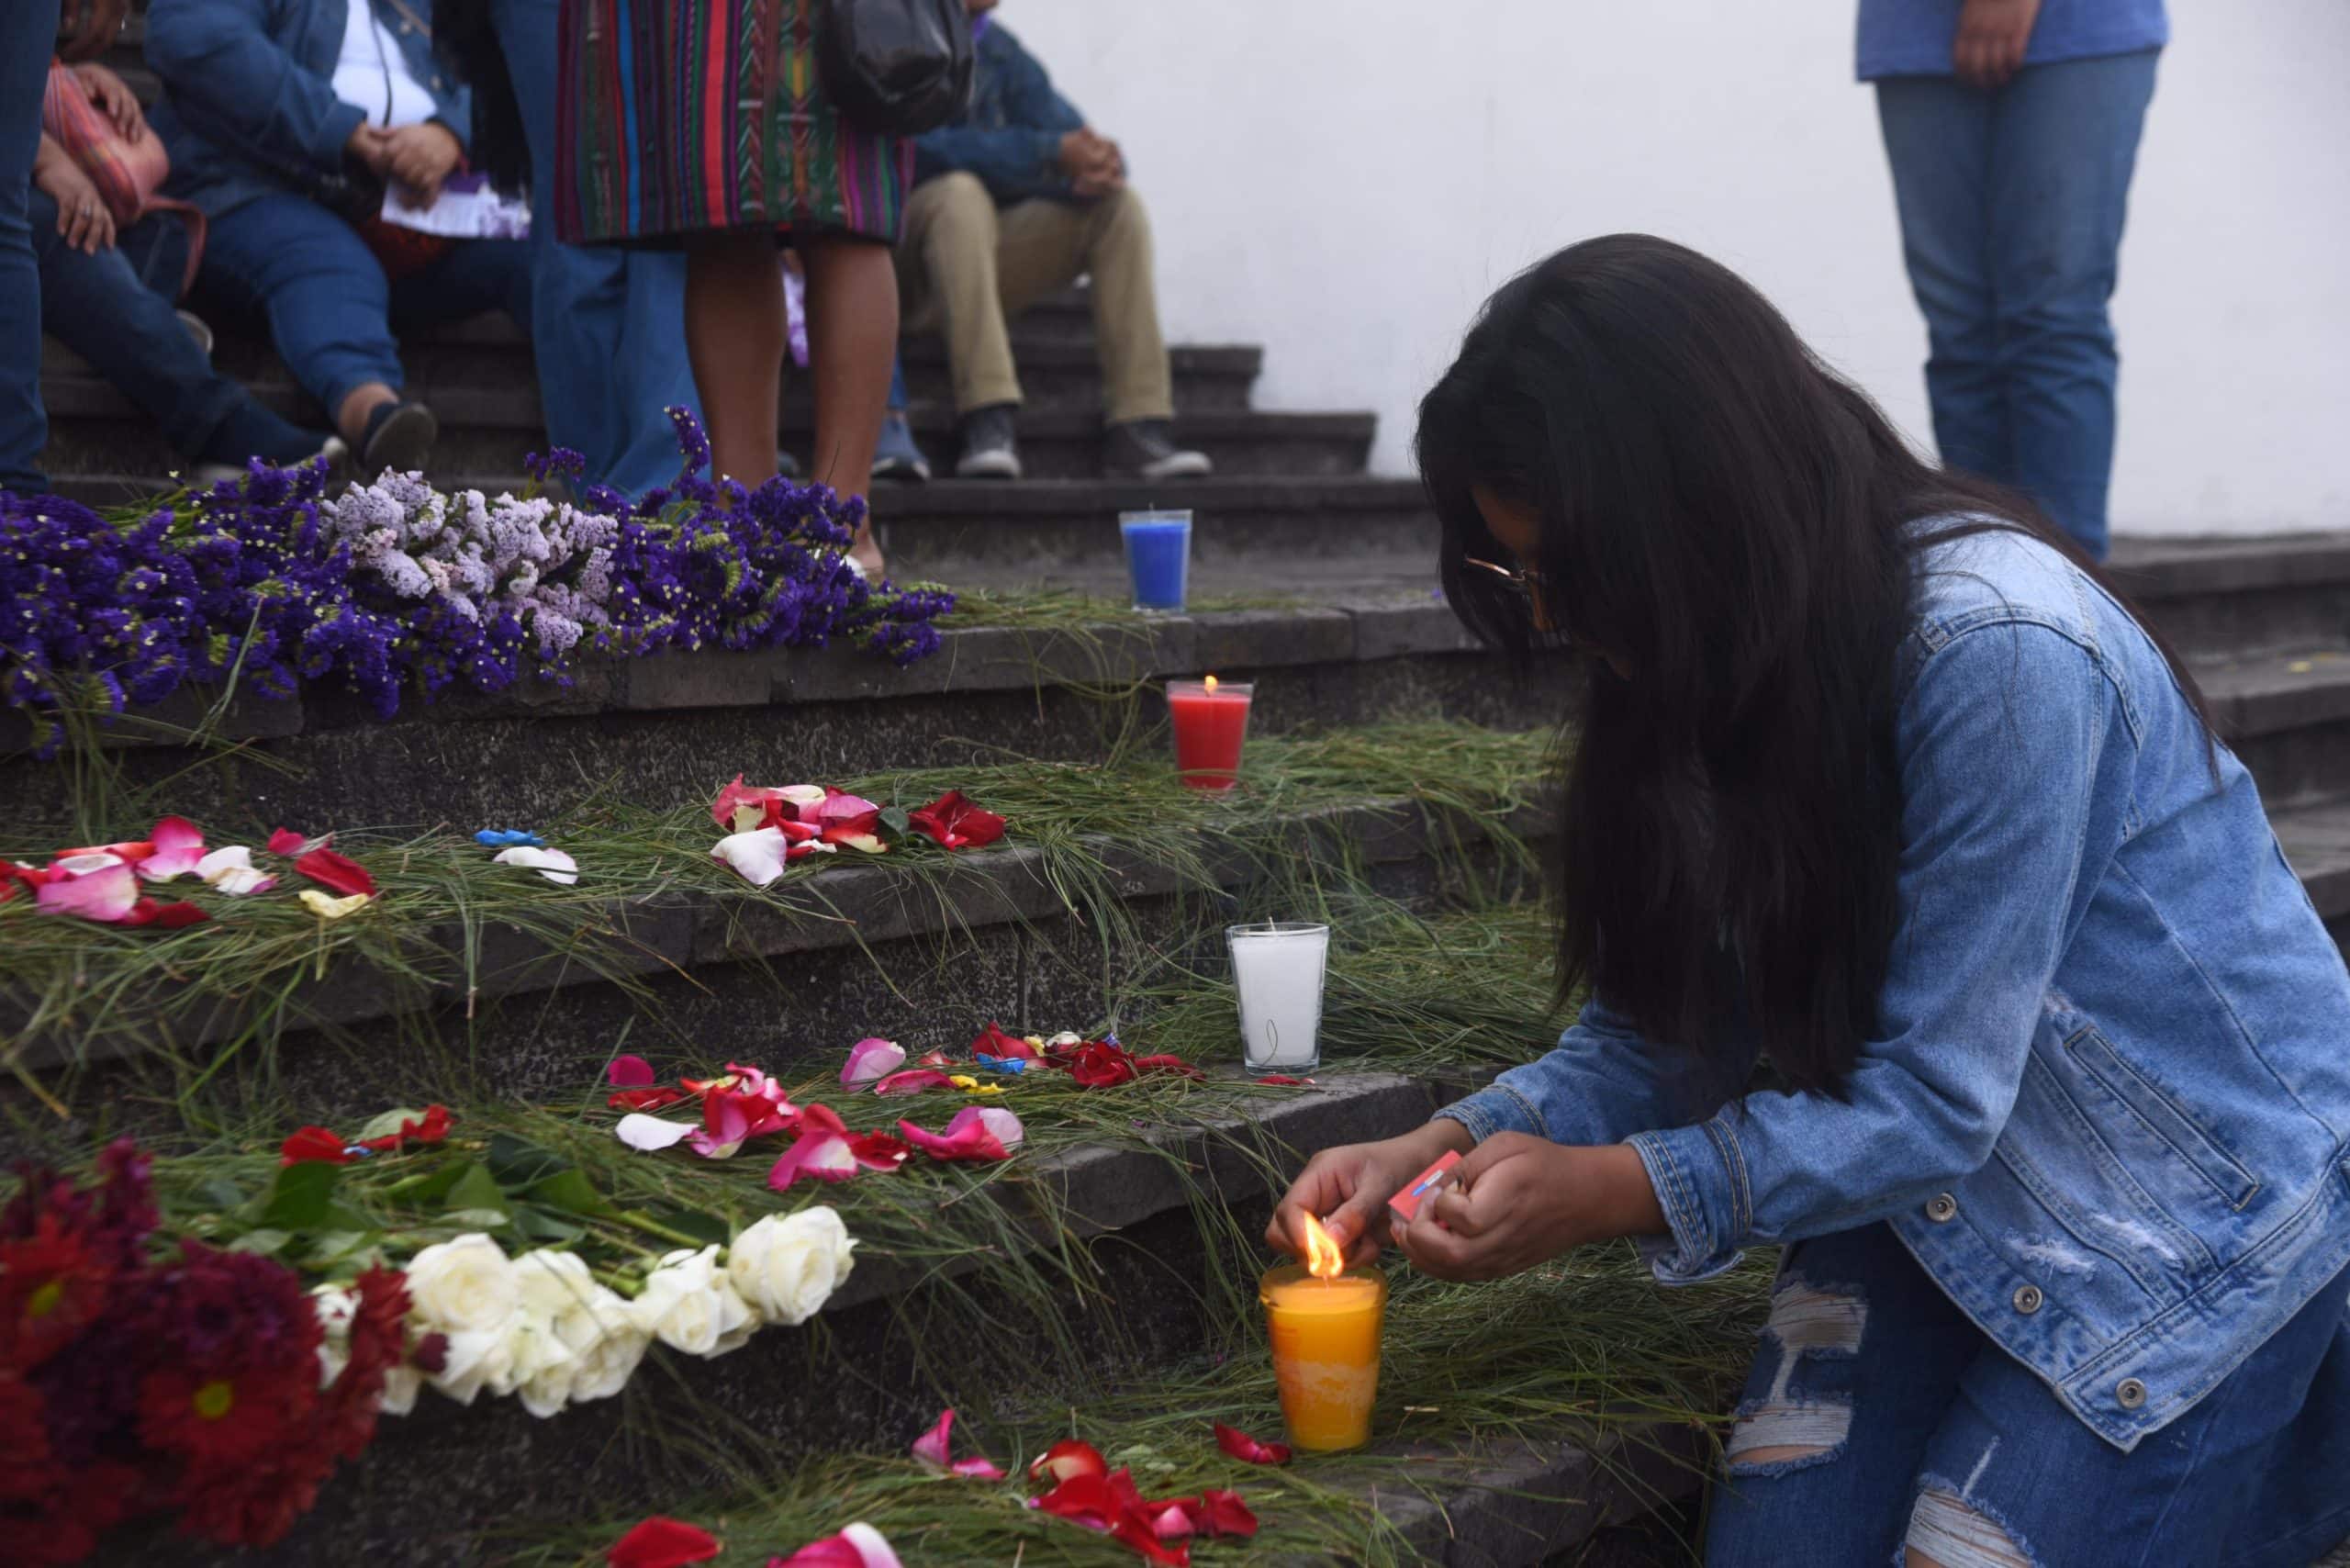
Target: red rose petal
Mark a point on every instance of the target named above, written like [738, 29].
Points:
[997, 1041]
[644, 1099]
[310, 1144]
[1223, 1513]
[630, 1073]
[662, 1542]
[1240, 1445]
[172, 916]
[337, 872]
[953, 822]
[914, 1080]
[1066, 1460]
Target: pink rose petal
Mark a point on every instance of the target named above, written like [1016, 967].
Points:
[859, 1546]
[870, 1059]
[977, 1469]
[106, 894]
[178, 847]
[914, 1080]
[820, 1155]
[630, 1073]
[975, 1133]
[931, 1447]
[1172, 1523]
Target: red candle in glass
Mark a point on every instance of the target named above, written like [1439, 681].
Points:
[1211, 719]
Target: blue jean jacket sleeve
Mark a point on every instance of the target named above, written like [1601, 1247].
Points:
[237, 86]
[1999, 743]
[1603, 1083]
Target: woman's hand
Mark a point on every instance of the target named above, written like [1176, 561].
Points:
[113, 95]
[1519, 1200]
[420, 157]
[82, 214]
[1992, 37]
[1347, 1188]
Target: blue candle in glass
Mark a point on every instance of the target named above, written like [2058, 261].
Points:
[1158, 556]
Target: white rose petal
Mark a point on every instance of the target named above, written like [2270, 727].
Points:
[334, 1306]
[552, 864]
[787, 1266]
[400, 1386]
[463, 1286]
[232, 871]
[645, 1132]
[758, 855]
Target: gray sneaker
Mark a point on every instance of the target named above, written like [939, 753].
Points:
[1145, 449]
[399, 436]
[990, 449]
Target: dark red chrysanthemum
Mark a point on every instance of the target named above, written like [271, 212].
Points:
[213, 1311]
[254, 1503]
[226, 1418]
[52, 1286]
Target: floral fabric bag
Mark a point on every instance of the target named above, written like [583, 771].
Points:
[130, 174]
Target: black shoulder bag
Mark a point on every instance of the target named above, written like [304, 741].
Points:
[899, 67]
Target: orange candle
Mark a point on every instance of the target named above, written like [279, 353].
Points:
[1325, 1328]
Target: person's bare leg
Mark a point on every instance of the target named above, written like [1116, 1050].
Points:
[351, 419]
[735, 335]
[852, 341]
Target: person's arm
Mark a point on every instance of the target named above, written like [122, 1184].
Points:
[2000, 741]
[1602, 1084]
[1025, 158]
[233, 83]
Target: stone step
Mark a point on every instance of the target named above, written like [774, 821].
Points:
[95, 429]
[1059, 369]
[2233, 595]
[659, 729]
[2287, 716]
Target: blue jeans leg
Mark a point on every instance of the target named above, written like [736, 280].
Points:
[96, 306]
[609, 323]
[310, 273]
[1880, 1419]
[477, 276]
[2012, 204]
[2064, 144]
[1938, 140]
[26, 29]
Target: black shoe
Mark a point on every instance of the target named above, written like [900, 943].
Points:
[990, 449]
[785, 466]
[1145, 449]
[399, 436]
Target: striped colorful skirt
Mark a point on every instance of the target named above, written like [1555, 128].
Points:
[679, 116]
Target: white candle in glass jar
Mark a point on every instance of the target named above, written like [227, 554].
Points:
[1277, 970]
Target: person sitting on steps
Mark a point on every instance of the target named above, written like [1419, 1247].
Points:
[1016, 199]
[271, 111]
[96, 298]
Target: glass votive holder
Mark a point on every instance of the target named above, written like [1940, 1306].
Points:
[1210, 719]
[1325, 1337]
[1277, 969]
[1158, 558]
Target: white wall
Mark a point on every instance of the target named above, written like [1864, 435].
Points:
[1343, 180]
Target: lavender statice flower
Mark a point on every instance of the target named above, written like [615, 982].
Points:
[693, 446]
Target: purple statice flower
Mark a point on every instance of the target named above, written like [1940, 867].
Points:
[693, 446]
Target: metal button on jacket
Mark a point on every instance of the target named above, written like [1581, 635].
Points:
[1942, 1208]
[2131, 1393]
[2028, 1299]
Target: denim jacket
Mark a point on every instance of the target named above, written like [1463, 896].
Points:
[1011, 136]
[249, 107]
[2107, 1100]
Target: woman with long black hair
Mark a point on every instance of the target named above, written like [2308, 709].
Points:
[1878, 782]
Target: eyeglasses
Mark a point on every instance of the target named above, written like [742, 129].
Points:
[1533, 587]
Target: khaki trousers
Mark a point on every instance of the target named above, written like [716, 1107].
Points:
[965, 267]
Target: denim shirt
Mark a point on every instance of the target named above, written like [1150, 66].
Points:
[2108, 1095]
[249, 108]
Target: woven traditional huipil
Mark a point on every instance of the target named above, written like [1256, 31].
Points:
[678, 115]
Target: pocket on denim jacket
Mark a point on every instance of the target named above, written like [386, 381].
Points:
[2230, 1180]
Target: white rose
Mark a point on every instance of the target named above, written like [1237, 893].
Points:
[689, 1305]
[475, 1359]
[463, 1286]
[552, 1283]
[540, 1366]
[605, 1344]
[787, 1266]
[334, 1306]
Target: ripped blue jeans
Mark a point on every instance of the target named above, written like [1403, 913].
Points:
[1879, 1422]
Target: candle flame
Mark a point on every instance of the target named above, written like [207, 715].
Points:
[1210, 683]
[1323, 1259]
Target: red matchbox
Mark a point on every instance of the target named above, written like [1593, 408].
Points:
[1407, 1202]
